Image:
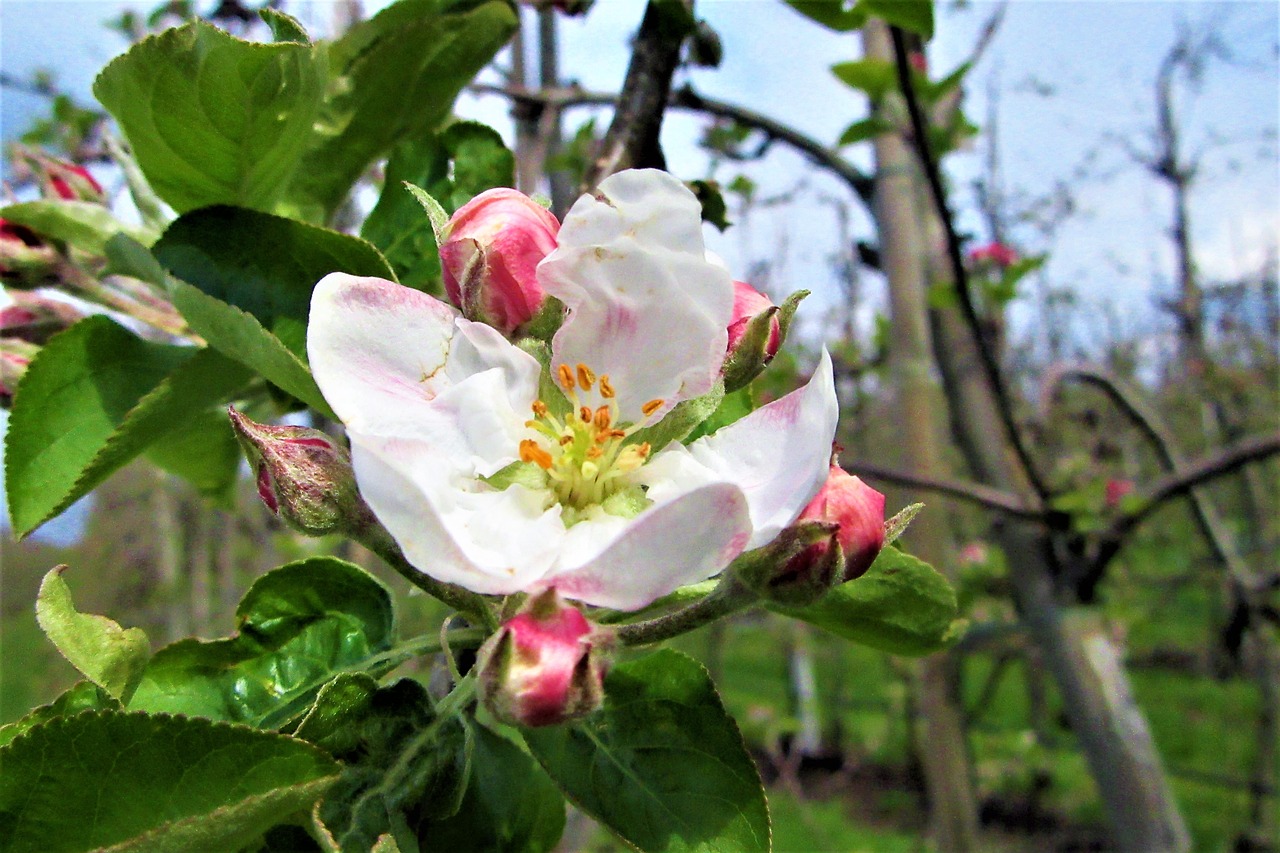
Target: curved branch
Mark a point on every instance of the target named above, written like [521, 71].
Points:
[1182, 478]
[920, 140]
[686, 98]
[985, 496]
[1186, 478]
[632, 138]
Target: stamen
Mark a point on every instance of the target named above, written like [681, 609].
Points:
[585, 413]
[602, 418]
[650, 407]
[606, 387]
[566, 440]
[586, 377]
[540, 409]
[566, 377]
[594, 452]
[531, 452]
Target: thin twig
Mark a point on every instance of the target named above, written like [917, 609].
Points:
[920, 139]
[984, 496]
[686, 98]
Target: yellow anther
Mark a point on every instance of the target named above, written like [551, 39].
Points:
[643, 449]
[585, 414]
[594, 452]
[606, 387]
[540, 408]
[531, 452]
[602, 418]
[650, 407]
[566, 377]
[586, 377]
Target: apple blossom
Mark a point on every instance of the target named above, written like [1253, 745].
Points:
[489, 253]
[544, 666]
[501, 475]
[993, 253]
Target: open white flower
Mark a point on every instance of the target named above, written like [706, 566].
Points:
[490, 481]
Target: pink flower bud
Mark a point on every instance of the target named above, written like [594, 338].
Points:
[71, 182]
[1116, 491]
[748, 303]
[545, 666]
[859, 510]
[15, 356]
[489, 255]
[994, 253]
[25, 260]
[304, 476]
[35, 318]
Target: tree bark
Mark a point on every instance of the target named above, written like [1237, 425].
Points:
[940, 735]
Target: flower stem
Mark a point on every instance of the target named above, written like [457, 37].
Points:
[468, 603]
[729, 596]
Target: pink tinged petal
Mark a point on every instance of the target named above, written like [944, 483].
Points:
[644, 303]
[377, 348]
[631, 564]
[381, 352]
[452, 527]
[779, 454]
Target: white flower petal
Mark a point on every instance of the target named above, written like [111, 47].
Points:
[645, 306]
[684, 541]
[449, 525]
[779, 454]
[381, 352]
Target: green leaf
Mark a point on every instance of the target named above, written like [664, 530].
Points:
[93, 399]
[913, 15]
[107, 780]
[733, 407]
[901, 605]
[299, 626]
[396, 75]
[238, 335]
[453, 166]
[213, 119]
[284, 27]
[711, 198]
[873, 76]
[81, 696]
[108, 655]
[205, 453]
[263, 264]
[835, 15]
[407, 766]
[81, 224]
[509, 805]
[867, 128]
[661, 764]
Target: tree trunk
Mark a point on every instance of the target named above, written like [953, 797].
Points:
[940, 736]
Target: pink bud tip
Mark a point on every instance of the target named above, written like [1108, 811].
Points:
[748, 303]
[859, 510]
[489, 256]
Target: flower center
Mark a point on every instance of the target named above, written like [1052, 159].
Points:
[585, 454]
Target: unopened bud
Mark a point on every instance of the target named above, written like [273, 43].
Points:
[304, 476]
[489, 256]
[71, 182]
[15, 356]
[859, 511]
[798, 567]
[995, 254]
[545, 666]
[756, 331]
[35, 318]
[25, 259]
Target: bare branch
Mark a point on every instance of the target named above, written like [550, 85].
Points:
[985, 496]
[920, 139]
[685, 98]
